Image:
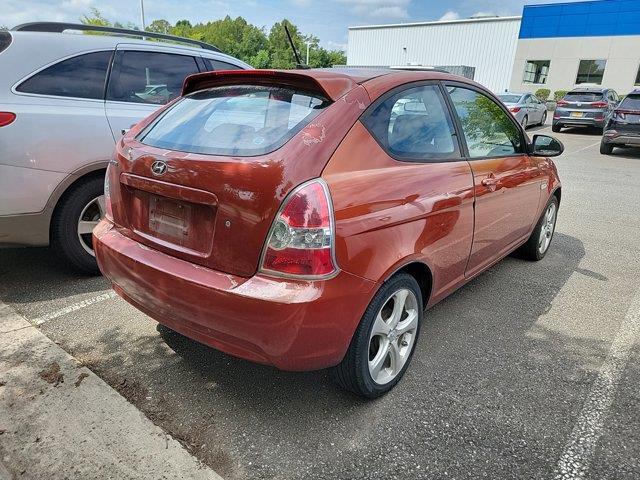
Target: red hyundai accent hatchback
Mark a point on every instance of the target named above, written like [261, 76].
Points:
[306, 219]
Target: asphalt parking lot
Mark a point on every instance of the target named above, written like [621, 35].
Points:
[529, 371]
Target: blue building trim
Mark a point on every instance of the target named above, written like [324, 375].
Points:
[581, 19]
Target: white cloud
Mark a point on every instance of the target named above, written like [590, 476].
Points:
[449, 15]
[391, 9]
[389, 12]
[482, 14]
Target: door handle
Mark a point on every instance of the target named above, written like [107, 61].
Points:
[489, 181]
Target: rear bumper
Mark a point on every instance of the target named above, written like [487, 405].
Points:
[572, 121]
[293, 325]
[622, 138]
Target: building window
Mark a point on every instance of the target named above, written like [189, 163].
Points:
[536, 71]
[638, 77]
[591, 71]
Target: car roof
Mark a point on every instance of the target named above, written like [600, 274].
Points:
[71, 43]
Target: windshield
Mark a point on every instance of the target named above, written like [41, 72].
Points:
[631, 102]
[583, 96]
[506, 98]
[239, 120]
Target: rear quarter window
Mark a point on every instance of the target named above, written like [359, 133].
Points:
[239, 120]
[82, 76]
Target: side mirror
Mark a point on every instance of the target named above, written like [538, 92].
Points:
[546, 146]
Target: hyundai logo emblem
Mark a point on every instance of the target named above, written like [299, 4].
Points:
[159, 167]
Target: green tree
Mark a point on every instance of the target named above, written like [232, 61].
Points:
[182, 28]
[159, 26]
[279, 47]
[95, 18]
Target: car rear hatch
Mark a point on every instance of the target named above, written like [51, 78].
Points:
[203, 178]
[626, 118]
[583, 104]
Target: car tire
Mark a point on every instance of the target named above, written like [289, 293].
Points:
[525, 122]
[532, 249]
[543, 120]
[354, 373]
[81, 201]
[556, 127]
[606, 148]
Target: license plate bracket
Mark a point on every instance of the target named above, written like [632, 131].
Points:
[170, 219]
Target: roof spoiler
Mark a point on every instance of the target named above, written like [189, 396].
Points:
[331, 85]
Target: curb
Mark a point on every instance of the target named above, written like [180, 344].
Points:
[59, 420]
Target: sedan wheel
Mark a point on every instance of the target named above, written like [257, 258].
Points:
[77, 213]
[90, 216]
[392, 336]
[548, 226]
[544, 118]
[538, 243]
[383, 344]
[524, 122]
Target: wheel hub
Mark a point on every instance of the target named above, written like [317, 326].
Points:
[392, 336]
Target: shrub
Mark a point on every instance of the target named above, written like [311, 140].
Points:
[559, 94]
[543, 94]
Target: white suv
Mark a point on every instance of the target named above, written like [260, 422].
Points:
[65, 99]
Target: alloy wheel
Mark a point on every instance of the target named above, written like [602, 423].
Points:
[91, 214]
[547, 228]
[392, 336]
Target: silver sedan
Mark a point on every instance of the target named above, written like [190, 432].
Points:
[526, 107]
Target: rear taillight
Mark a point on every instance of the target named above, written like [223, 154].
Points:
[562, 103]
[514, 109]
[599, 104]
[108, 209]
[6, 118]
[301, 240]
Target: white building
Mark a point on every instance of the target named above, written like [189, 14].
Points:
[557, 46]
[488, 44]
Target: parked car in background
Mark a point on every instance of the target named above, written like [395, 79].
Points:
[623, 127]
[585, 107]
[526, 107]
[65, 100]
[311, 229]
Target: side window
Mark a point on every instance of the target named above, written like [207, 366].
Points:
[81, 77]
[213, 64]
[488, 130]
[149, 77]
[414, 124]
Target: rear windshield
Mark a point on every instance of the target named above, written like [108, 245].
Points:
[238, 120]
[631, 102]
[583, 96]
[509, 98]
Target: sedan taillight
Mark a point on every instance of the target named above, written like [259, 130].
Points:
[514, 109]
[301, 240]
[6, 118]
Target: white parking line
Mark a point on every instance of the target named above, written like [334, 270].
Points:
[73, 307]
[582, 149]
[574, 463]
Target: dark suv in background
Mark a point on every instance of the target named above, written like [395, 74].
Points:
[585, 107]
[623, 127]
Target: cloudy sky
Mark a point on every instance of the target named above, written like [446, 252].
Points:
[327, 19]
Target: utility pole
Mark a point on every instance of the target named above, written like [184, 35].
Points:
[308, 45]
[144, 27]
